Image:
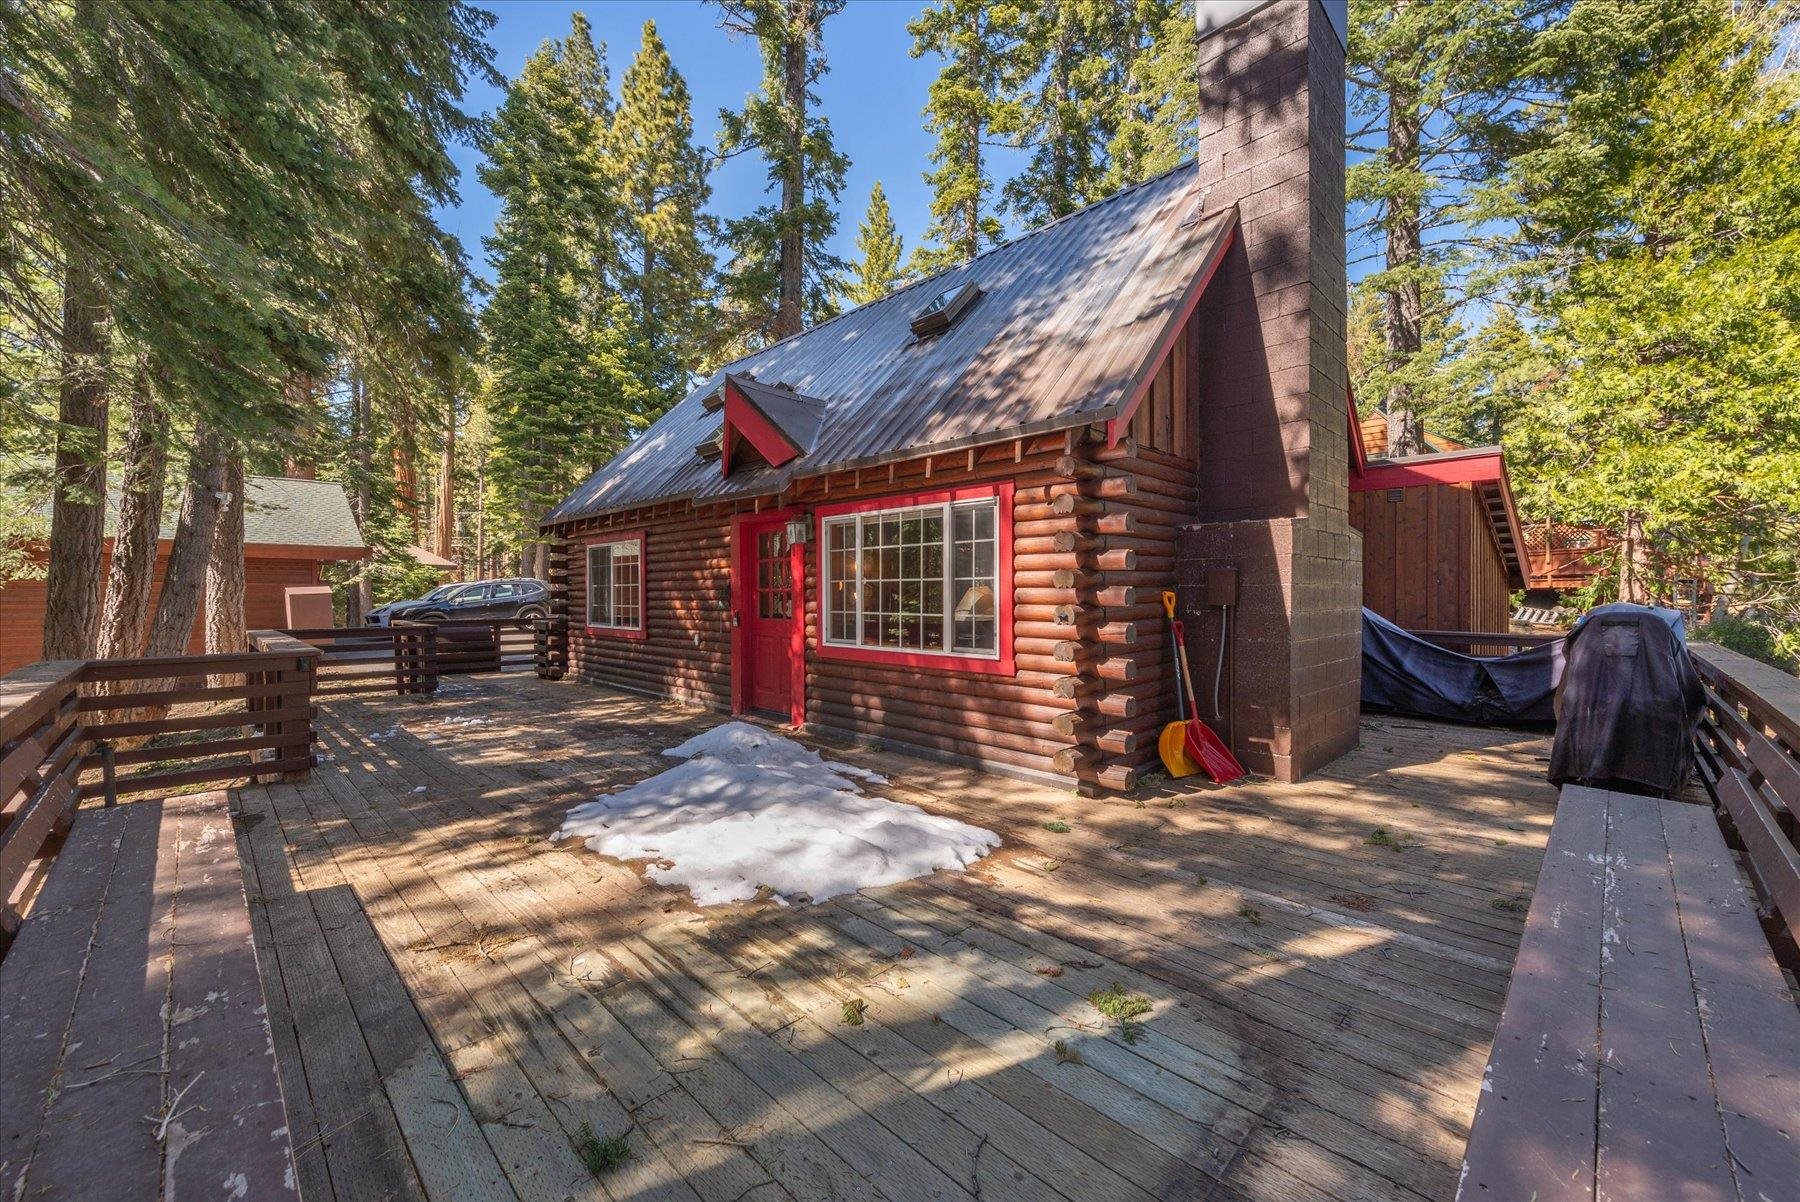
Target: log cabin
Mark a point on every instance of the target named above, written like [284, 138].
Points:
[291, 529]
[943, 521]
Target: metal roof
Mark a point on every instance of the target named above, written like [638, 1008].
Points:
[1068, 316]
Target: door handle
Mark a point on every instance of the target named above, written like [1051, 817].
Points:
[736, 619]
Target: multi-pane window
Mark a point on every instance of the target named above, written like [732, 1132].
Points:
[920, 578]
[615, 580]
[774, 576]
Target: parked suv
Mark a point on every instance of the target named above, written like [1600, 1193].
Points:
[517, 597]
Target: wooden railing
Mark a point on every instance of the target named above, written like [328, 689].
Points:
[1749, 756]
[71, 729]
[1483, 642]
[409, 657]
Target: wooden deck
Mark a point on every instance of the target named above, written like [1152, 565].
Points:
[457, 1002]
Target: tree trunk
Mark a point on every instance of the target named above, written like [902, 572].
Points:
[446, 489]
[78, 510]
[78, 506]
[225, 631]
[297, 462]
[788, 312]
[1402, 302]
[481, 516]
[406, 468]
[360, 600]
[125, 621]
[1634, 562]
[184, 579]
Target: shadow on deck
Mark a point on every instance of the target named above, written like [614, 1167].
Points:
[458, 1004]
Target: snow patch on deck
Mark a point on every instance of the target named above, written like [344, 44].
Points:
[749, 809]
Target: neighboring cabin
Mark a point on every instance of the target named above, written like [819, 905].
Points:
[943, 520]
[1442, 547]
[291, 528]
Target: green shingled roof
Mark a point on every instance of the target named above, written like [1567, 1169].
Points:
[278, 512]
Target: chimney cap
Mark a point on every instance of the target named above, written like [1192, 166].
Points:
[1216, 16]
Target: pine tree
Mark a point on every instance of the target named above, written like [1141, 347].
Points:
[974, 39]
[1660, 227]
[1158, 119]
[879, 243]
[1062, 88]
[1431, 85]
[563, 394]
[783, 276]
[661, 180]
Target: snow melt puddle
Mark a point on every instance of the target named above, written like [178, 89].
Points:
[748, 808]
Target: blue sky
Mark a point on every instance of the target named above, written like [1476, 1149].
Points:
[873, 96]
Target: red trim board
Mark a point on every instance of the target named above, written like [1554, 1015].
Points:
[1005, 664]
[1461, 469]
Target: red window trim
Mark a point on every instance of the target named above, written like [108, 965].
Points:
[642, 629]
[742, 589]
[1005, 664]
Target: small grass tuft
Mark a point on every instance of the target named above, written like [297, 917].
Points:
[853, 1012]
[1066, 1054]
[1512, 905]
[1123, 1007]
[1250, 912]
[1382, 837]
[1057, 827]
[598, 1155]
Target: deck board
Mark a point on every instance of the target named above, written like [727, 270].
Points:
[1324, 1004]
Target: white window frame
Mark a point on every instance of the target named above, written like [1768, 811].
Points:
[636, 543]
[947, 511]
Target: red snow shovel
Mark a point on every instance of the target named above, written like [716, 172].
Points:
[1203, 746]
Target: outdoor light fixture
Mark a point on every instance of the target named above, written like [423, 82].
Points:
[799, 530]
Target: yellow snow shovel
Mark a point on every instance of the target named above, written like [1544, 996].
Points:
[1172, 743]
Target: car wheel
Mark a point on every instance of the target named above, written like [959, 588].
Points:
[430, 617]
[530, 612]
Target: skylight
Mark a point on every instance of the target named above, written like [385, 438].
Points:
[944, 309]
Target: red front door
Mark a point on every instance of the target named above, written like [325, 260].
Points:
[765, 600]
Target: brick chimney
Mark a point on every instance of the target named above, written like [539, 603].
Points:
[1274, 486]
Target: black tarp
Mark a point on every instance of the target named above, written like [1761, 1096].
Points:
[1405, 674]
[1629, 703]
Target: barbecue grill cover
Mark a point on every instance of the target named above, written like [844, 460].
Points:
[1629, 702]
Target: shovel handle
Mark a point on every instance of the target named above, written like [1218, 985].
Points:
[1168, 599]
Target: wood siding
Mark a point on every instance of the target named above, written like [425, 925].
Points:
[1430, 561]
[266, 580]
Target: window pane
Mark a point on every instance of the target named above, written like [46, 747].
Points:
[974, 581]
[600, 586]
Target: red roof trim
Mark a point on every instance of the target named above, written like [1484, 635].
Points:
[742, 415]
[1116, 426]
[1461, 468]
[1359, 450]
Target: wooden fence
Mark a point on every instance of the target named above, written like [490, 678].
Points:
[409, 657]
[87, 728]
[1749, 756]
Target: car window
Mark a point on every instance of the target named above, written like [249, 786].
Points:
[505, 588]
